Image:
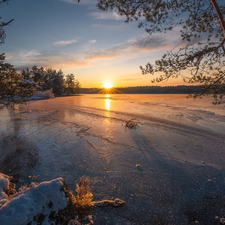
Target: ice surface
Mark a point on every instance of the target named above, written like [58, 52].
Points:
[178, 145]
[44, 198]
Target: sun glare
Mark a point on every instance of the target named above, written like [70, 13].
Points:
[107, 85]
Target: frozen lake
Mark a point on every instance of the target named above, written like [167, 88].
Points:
[178, 142]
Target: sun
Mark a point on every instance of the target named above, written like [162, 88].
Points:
[107, 85]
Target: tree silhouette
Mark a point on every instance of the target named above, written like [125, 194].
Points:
[77, 88]
[70, 83]
[47, 79]
[202, 28]
[3, 24]
[58, 83]
[13, 88]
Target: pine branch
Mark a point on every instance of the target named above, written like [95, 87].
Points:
[5, 24]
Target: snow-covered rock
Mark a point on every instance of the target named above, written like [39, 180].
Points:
[41, 199]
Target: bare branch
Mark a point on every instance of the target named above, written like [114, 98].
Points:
[222, 22]
[215, 5]
[5, 24]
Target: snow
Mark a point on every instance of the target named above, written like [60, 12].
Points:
[43, 198]
[31, 82]
[34, 97]
[38, 95]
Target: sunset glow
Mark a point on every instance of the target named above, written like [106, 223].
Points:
[112, 52]
[107, 85]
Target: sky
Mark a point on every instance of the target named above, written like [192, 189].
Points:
[95, 46]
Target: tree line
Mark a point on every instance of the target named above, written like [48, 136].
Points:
[181, 89]
[16, 88]
[51, 79]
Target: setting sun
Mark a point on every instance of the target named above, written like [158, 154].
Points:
[107, 85]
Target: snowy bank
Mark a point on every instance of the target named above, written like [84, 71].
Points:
[38, 95]
[38, 200]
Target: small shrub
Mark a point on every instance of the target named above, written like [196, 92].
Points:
[88, 220]
[131, 124]
[11, 191]
[23, 188]
[83, 199]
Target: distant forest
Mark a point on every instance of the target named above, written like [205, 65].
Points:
[145, 90]
[50, 79]
[60, 84]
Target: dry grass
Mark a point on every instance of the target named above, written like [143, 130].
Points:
[23, 188]
[105, 203]
[88, 220]
[11, 191]
[82, 201]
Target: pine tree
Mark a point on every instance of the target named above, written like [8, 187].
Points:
[202, 29]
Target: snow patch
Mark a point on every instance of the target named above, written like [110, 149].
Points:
[43, 198]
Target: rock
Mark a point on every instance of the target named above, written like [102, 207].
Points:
[35, 203]
[131, 124]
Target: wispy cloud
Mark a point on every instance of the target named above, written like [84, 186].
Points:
[132, 48]
[63, 43]
[147, 42]
[21, 55]
[107, 16]
[92, 41]
[108, 26]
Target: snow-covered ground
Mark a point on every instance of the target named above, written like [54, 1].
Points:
[39, 199]
[166, 169]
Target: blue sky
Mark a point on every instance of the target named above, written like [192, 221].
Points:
[95, 46]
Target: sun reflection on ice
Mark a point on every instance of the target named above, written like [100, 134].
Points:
[107, 104]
